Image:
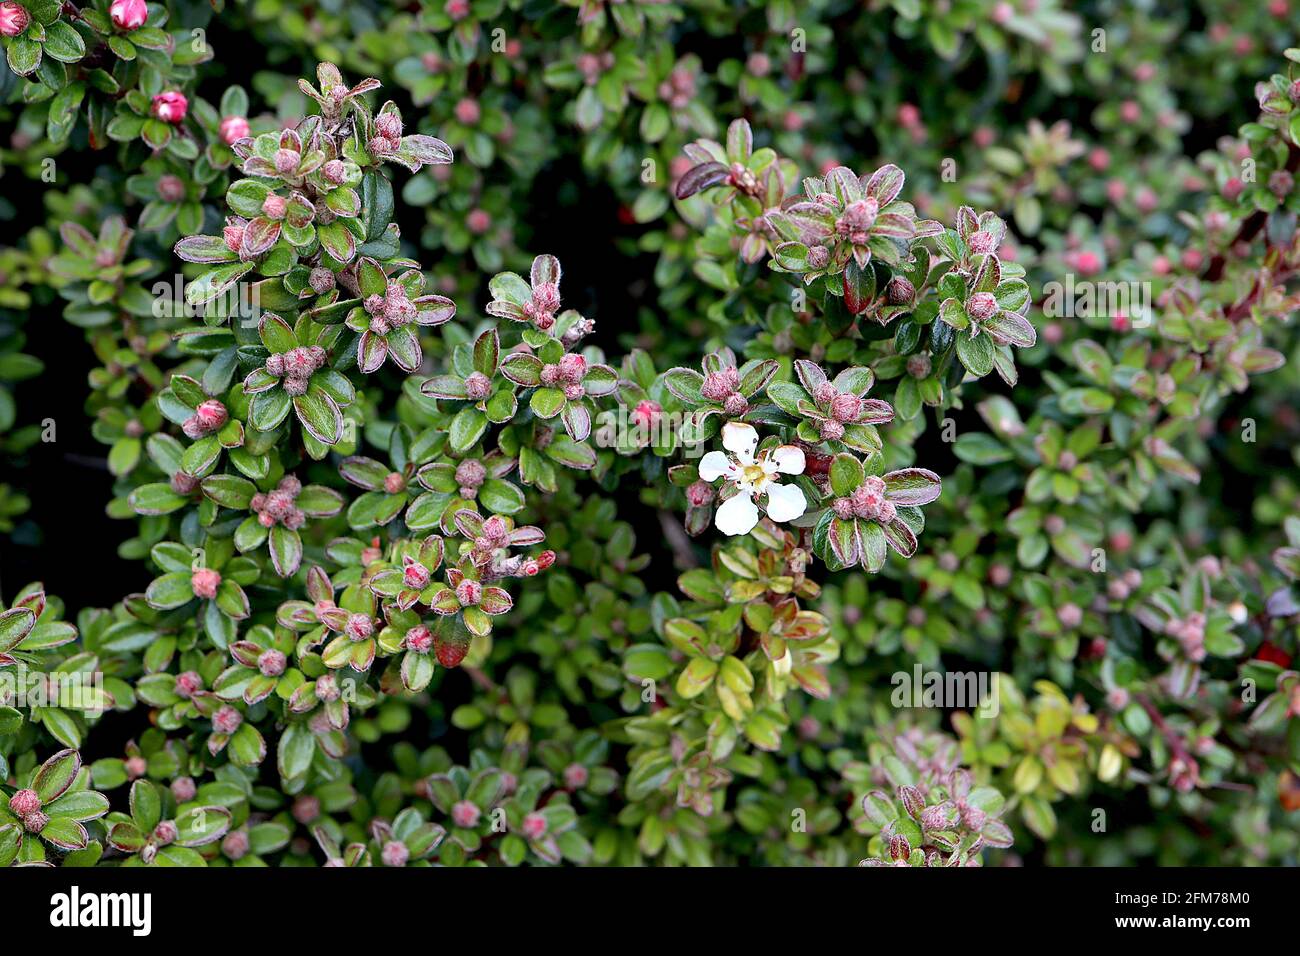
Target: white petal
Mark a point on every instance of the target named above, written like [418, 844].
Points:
[714, 465]
[737, 515]
[741, 439]
[789, 460]
[785, 502]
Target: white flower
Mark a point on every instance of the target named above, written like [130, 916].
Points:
[753, 478]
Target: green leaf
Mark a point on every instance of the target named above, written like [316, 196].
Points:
[24, 55]
[981, 448]
[546, 402]
[846, 474]
[15, 624]
[247, 748]
[63, 43]
[467, 428]
[170, 591]
[501, 497]
[295, 750]
[229, 491]
[286, 550]
[319, 414]
[146, 805]
[976, 354]
[56, 775]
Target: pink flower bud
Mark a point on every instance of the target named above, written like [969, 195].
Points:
[857, 219]
[575, 776]
[24, 802]
[272, 663]
[845, 407]
[205, 582]
[13, 19]
[235, 845]
[334, 172]
[171, 188]
[918, 365]
[389, 125]
[274, 205]
[233, 129]
[471, 474]
[900, 290]
[128, 14]
[419, 639]
[718, 385]
[35, 821]
[465, 814]
[226, 720]
[321, 280]
[981, 305]
[188, 684]
[478, 222]
[394, 482]
[647, 413]
[573, 368]
[211, 415]
[233, 236]
[1070, 615]
[533, 826]
[573, 391]
[477, 386]
[183, 789]
[359, 627]
[1088, 262]
[136, 767]
[165, 833]
[550, 374]
[494, 529]
[415, 576]
[825, 393]
[382, 146]
[457, 9]
[170, 107]
[286, 161]
[735, 405]
[699, 494]
[306, 808]
[467, 111]
[327, 688]
[469, 593]
[395, 854]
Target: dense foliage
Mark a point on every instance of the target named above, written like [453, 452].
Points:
[898, 349]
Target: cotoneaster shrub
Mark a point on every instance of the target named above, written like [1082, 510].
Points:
[429, 557]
